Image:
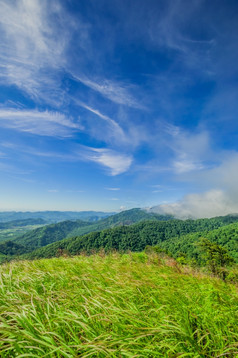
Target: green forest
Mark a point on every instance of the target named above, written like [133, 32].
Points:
[131, 230]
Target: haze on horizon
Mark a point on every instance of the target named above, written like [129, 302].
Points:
[108, 105]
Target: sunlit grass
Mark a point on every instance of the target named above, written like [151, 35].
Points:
[114, 306]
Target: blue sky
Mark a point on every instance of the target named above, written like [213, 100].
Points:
[106, 105]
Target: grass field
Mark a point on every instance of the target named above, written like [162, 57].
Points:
[130, 305]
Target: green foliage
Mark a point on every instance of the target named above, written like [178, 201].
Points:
[172, 236]
[114, 306]
[12, 248]
[135, 238]
[216, 256]
[225, 236]
[50, 233]
[127, 217]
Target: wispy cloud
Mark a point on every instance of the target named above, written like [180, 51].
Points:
[32, 47]
[13, 169]
[40, 123]
[113, 189]
[106, 129]
[116, 162]
[115, 91]
[191, 150]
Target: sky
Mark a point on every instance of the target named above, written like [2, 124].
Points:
[109, 105]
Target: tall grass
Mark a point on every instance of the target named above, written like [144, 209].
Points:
[114, 306]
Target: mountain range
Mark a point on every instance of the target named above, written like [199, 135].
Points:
[128, 230]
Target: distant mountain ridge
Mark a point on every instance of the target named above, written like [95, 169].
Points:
[53, 216]
[54, 232]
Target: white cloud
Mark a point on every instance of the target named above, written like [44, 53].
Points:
[105, 128]
[191, 151]
[116, 162]
[32, 47]
[185, 165]
[209, 204]
[113, 189]
[40, 123]
[220, 199]
[115, 91]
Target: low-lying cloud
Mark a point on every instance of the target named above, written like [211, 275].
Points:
[205, 205]
[221, 199]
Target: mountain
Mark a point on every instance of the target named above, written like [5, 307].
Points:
[137, 236]
[129, 230]
[127, 217]
[53, 216]
[47, 234]
[55, 232]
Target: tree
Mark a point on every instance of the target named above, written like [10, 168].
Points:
[216, 257]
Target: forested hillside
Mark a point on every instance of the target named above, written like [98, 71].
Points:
[55, 232]
[226, 236]
[136, 237]
[48, 234]
[127, 217]
[121, 234]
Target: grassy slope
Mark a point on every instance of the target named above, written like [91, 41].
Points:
[114, 306]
